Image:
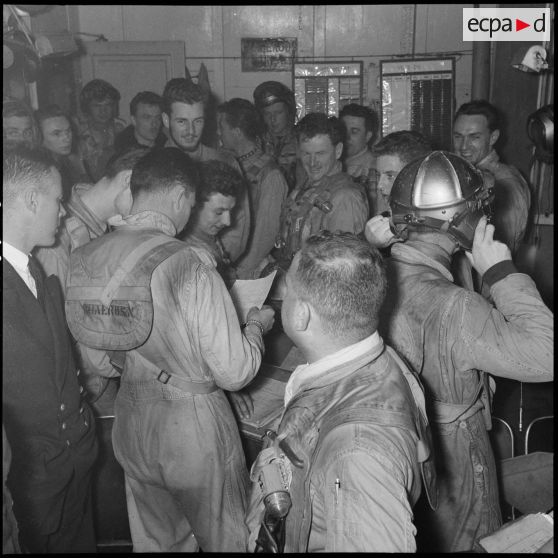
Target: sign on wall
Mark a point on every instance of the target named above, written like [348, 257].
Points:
[268, 55]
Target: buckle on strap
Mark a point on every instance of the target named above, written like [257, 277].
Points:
[163, 377]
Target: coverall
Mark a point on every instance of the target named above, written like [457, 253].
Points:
[177, 439]
[449, 336]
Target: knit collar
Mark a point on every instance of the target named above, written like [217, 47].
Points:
[77, 208]
[423, 253]
[489, 161]
[149, 219]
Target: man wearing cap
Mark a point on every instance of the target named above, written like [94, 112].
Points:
[184, 104]
[276, 104]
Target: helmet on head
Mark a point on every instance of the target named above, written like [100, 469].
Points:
[443, 192]
[270, 92]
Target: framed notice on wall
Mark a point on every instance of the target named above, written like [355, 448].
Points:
[326, 86]
[419, 95]
[268, 55]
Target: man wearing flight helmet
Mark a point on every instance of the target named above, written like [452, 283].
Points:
[453, 337]
[276, 104]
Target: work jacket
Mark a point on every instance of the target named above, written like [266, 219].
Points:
[512, 200]
[267, 191]
[362, 167]
[358, 431]
[449, 336]
[335, 203]
[283, 150]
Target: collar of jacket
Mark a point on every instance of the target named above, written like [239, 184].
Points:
[252, 153]
[491, 160]
[77, 208]
[316, 374]
[358, 155]
[417, 252]
[150, 220]
[279, 140]
[340, 371]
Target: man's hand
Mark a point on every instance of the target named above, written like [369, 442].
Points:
[378, 232]
[486, 251]
[242, 403]
[266, 316]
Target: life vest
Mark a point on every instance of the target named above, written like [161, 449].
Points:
[108, 301]
[304, 212]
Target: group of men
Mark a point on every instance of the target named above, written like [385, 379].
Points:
[394, 398]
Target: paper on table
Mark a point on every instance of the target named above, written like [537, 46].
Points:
[524, 535]
[246, 293]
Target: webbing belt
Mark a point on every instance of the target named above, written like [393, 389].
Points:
[185, 385]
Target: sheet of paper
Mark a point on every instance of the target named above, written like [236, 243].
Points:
[246, 293]
[524, 535]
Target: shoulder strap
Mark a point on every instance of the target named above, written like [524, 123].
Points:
[131, 261]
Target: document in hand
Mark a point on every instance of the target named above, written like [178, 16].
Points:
[246, 293]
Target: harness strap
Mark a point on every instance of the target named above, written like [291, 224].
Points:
[128, 265]
[173, 380]
[185, 385]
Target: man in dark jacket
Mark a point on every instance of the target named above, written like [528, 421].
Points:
[49, 428]
[146, 129]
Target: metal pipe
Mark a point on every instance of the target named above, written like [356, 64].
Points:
[480, 87]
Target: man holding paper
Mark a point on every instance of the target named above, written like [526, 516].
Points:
[174, 432]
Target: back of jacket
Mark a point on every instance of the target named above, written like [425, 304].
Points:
[451, 337]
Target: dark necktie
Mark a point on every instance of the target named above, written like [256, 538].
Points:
[38, 275]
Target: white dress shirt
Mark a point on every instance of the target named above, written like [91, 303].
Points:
[20, 262]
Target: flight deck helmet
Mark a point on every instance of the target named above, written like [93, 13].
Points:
[443, 192]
